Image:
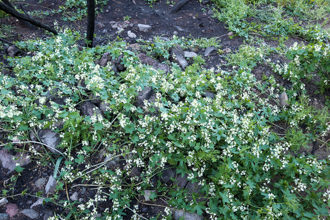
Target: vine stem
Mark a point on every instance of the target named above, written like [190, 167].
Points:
[33, 142]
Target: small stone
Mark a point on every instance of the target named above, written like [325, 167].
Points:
[47, 214]
[167, 175]
[51, 185]
[100, 25]
[179, 28]
[135, 172]
[152, 62]
[37, 203]
[178, 55]
[208, 51]
[74, 196]
[11, 209]
[146, 94]
[9, 161]
[230, 33]
[226, 50]
[89, 109]
[181, 181]
[144, 27]
[189, 54]
[4, 216]
[193, 187]
[104, 59]
[104, 107]
[135, 47]
[130, 34]
[40, 183]
[30, 213]
[3, 202]
[50, 138]
[208, 94]
[147, 194]
[12, 51]
[283, 99]
[180, 214]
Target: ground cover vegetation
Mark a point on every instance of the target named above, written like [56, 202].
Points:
[227, 142]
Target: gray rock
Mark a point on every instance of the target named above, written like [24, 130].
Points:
[37, 203]
[40, 183]
[118, 65]
[227, 50]
[3, 202]
[47, 214]
[104, 107]
[104, 59]
[180, 214]
[208, 51]
[130, 34]
[100, 25]
[178, 55]
[135, 172]
[193, 187]
[112, 163]
[144, 27]
[283, 99]
[181, 181]
[179, 28]
[11, 209]
[189, 54]
[146, 94]
[50, 138]
[30, 213]
[74, 196]
[9, 161]
[167, 175]
[147, 194]
[152, 62]
[4, 216]
[51, 185]
[12, 51]
[209, 94]
[89, 109]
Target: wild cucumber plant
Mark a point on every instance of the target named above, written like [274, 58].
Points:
[223, 144]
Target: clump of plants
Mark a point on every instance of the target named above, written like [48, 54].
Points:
[208, 126]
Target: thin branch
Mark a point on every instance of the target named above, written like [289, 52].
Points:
[5, 41]
[33, 142]
[178, 6]
[12, 11]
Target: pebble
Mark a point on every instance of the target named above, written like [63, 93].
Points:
[4, 216]
[130, 34]
[144, 27]
[40, 183]
[283, 99]
[147, 194]
[208, 51]
[51, 185]
[30, 213]
[74, 196]
[3, 202]
[180, 214]
[189, 54]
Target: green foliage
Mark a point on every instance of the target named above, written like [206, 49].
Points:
[224, 145]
